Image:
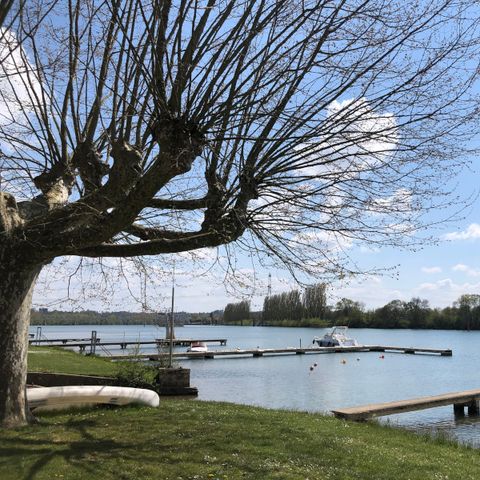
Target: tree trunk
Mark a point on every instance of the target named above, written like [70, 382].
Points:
[17, 279]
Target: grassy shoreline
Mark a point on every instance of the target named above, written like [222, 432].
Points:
[197, 440]
[60, 360]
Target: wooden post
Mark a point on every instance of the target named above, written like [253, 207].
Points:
[458, 409]
[473, 407]
[93, 343]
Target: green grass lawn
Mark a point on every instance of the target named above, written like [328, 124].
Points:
[59, 360]
[205, 440]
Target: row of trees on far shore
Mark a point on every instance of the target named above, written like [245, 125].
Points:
[293, 305]
[237, 312]
[293, 308]
[310, 310]
[44, 316]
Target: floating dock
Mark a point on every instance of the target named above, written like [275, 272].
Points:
[459, 400]
[260, 352]
[83, 343]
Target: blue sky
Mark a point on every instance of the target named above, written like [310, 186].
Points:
[438, 272]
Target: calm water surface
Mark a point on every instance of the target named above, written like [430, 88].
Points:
[287, 382]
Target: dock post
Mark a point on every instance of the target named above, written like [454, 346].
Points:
[473, 407]
[458, 409]
[93, 343]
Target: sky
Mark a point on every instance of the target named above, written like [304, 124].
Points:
[438, 272]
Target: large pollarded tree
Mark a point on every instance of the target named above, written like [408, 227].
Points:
[131, 128]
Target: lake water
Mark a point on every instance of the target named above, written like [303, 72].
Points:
[287, 381]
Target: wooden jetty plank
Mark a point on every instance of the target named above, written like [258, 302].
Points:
[413, 350]
[468, 398]
[61, 340]
[82, 342]
[189, 341]
[259, 352]
[256, 352]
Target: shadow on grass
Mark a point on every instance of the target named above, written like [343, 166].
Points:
[85, 453]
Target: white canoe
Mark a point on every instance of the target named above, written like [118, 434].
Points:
[53, 398]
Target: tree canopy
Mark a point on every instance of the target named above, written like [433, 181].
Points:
[293, 129]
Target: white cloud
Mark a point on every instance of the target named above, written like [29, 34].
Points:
[460, 267]
[369, 249]
[472, 232]
[19, 83]
[357, 139]
[400, 201]
[431, 270]
[334, 241]
[112, 284]
[444, 292]
[371, 290]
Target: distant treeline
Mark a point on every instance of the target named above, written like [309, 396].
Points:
[464, 314]
[236, 313]
[292, 309]
[90, 317]
[288, 308]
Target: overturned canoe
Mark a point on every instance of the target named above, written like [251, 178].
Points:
[52, 398]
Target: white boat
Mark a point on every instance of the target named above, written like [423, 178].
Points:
[337, 337]
[54, 398]
[197, 347]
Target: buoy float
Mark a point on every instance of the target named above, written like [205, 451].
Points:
[358, 359]
[311, 367]
[315, 364]
[382, 357]
[344, 361]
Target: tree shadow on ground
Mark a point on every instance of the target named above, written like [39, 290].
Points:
[83, 453]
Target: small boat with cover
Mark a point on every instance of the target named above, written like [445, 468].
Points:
[198, 347]
[337, 337]
[54, 398]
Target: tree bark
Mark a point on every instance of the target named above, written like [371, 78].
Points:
[17, 279]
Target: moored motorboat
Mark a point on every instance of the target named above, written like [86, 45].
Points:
[197, 347]
[337, 337]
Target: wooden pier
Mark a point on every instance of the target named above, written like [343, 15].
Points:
[63, 341]
[413, 350]
[186, 342]
[83, 343]
[260, 352]
[459, 400]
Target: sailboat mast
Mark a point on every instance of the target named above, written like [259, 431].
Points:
[172, 319]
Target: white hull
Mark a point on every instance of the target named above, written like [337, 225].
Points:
[53, 398]
[198, 347]
[336, 338]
